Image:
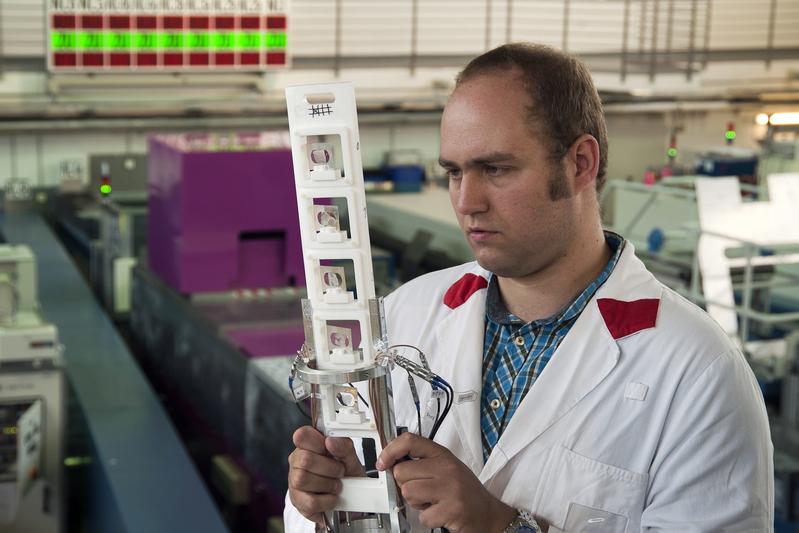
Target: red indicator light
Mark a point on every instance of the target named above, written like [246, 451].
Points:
[224, 23]
[94, 22]
[120, 60]
[146, 22]
[249, 58]
[172, 59]
[173, 23]
[199, 23]
[225, 59]
[199, 59]
[147, 60]
[92, 60]
[119, 22]
[250, 23]
[275, 58]
[64, 22]
[276, 23]
[62, 59]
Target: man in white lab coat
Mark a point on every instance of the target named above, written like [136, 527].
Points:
[589, 397]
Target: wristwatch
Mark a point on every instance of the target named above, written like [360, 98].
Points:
[523, 523]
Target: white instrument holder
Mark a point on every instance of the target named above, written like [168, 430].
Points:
[325, 147]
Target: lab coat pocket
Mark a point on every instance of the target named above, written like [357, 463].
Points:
[582, 492]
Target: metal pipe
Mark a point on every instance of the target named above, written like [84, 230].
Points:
[488, 25]
[337, 42]
[772, 17]
[508, 20]
[414, 38]
[708, 13]
[624, 36]
[653, 51]
[669, 31]
[689, 65]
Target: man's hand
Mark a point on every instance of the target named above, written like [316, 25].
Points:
[443, 488]
[316, 467]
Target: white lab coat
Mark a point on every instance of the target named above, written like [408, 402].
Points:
[663, 429]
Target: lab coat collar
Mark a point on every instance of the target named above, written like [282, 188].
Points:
[583, 360]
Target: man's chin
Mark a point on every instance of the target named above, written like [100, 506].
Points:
[494, 265]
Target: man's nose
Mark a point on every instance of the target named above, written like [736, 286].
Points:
[471, 198]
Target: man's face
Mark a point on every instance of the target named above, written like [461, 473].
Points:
[502, 180]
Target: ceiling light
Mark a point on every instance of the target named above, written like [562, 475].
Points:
[784, 119]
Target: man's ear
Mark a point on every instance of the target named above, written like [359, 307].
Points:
[584, 160]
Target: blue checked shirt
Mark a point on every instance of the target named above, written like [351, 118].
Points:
[515, 353]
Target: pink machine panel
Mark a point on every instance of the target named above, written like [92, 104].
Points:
[222, 212]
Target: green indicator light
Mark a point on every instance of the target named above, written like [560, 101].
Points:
[119, 40]
[145, 41]
[199, 40]
[730, 134]
[77, 461]
[91, 40]
[275, 40]
[63, 40]
[171, 40]
[248, 40]
[672, 152]
[105, 189]
[224, 40]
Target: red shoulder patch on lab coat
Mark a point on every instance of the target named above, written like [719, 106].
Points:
[626, 318]
[463, 289]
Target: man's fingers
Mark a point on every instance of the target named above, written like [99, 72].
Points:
[420, 493]
[309, 439]
[343, 449]
[310, 482]
[407, 444]
[310, 505]
[417, 469]
[315, 463]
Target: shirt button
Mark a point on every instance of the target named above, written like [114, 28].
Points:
[495, 403]
[519, 341]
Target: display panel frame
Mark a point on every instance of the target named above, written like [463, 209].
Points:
[167, 36]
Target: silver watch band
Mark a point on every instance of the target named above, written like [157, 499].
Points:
[523, 523]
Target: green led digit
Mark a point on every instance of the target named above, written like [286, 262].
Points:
[171, 40]
[199, 40]
[275, 40]
[249, 40]
[146, 41]
[63, 40]
[91, 40]
[224, 40]
[119, 40]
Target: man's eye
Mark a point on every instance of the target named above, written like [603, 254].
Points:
[491, 170]
[453, 173]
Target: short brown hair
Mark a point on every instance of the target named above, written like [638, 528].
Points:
[564, 97]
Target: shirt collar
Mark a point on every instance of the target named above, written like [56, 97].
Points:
[497, 312]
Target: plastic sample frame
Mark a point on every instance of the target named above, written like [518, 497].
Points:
[345, 330]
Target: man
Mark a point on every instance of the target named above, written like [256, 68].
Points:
[588, 395]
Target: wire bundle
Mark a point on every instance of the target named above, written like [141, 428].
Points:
[435, 381]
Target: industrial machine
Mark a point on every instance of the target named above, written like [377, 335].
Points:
[206, 234]
[122, 175]
[31, 403]
[123, 237]
[216, 294]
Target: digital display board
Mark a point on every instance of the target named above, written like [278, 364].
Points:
[167, 35]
